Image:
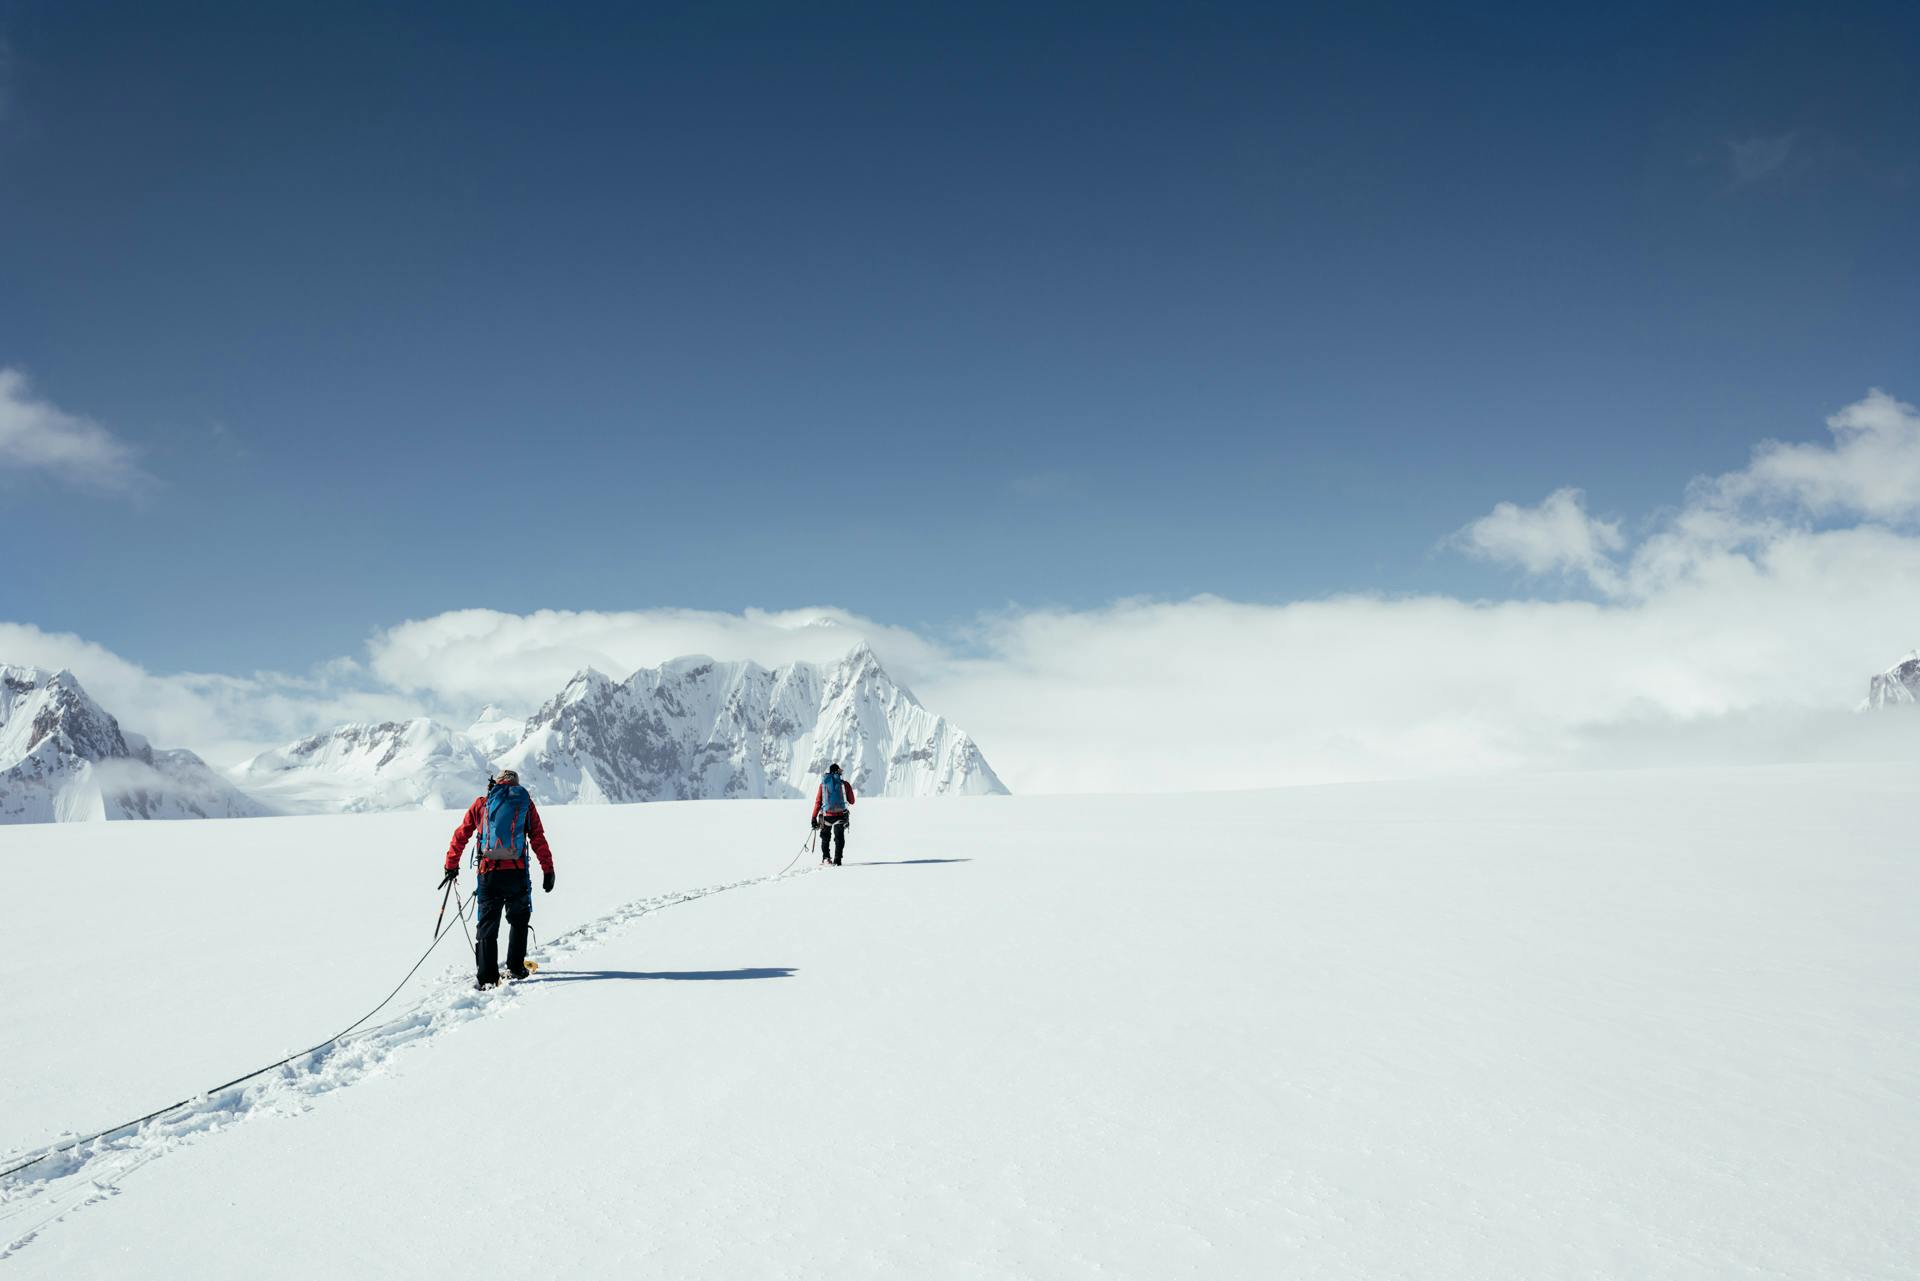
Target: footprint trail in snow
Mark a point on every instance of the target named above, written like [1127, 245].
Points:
[67, 1179]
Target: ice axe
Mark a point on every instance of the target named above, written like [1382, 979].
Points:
[444, 896]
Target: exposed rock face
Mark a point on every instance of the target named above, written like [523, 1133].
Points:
[1898, 686]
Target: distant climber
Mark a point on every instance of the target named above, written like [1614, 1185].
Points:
[506, 821]
[831, 803]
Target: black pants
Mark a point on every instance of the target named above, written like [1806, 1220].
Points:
[833, 838]
[511, 891]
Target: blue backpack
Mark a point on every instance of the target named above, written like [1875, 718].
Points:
[504, 834]
[834, 797]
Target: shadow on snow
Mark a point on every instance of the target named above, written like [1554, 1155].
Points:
[583, 976]
[906, 862]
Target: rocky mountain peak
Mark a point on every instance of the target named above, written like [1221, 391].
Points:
[1898, 686]
[64, 757]
[52, 707]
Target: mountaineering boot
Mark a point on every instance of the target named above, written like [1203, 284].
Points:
[487, 963]
[517, 950]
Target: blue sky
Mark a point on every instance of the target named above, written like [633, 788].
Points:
[916, 314]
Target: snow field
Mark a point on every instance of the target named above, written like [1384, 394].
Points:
[1635, 1025]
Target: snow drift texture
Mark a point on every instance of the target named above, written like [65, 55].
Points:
[690, 729]
[63, 758]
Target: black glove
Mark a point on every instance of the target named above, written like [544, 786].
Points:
[815, 824]
[546, 883]
[452, 874]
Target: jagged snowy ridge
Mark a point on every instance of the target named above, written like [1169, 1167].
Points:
[695, 728]
[690, 729]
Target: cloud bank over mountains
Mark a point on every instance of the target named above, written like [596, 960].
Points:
[1740, 625]
[481, 655]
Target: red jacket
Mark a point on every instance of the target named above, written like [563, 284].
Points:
[476, 815]
[820, 795]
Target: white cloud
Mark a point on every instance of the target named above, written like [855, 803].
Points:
[1207, 692]
[38, 435]
[473, 656]
[1871, 469]
[1737, 630]
[224, 718]
[1557, 536]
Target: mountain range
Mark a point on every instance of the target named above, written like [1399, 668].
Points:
[689, 729]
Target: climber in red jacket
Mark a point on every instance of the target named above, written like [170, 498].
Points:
[507, 822]
[832, 803]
